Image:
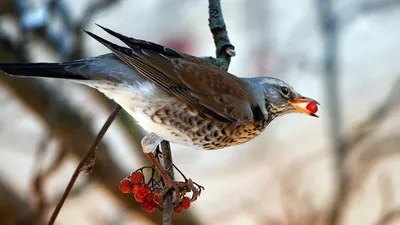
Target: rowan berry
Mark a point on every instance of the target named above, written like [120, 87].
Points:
[178, 208]
[148, 204]
[312, 107]
[125, 186]
[136, 178]
[185, 202]
[140, 192]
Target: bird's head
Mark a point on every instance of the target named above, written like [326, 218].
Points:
[281, 98]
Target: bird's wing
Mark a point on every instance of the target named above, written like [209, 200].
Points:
[205, 87]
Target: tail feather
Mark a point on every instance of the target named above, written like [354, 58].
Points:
[48, 70]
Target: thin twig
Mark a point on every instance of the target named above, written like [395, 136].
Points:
[169, 168]
[90, 152]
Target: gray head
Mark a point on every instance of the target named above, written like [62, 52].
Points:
[280, 98]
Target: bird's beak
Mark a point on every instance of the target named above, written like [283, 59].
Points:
[301, 109]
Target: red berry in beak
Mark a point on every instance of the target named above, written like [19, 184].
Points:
[312, 107]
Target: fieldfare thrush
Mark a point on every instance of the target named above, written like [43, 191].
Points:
[175, 96]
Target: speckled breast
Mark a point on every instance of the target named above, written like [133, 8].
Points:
[195, 129]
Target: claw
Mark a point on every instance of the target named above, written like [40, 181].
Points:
[149, 144]
[170, 185]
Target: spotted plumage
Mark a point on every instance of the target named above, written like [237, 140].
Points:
[176, 96]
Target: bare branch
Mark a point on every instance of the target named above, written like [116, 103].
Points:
[90, 152]
[169, 168]
[224, 49]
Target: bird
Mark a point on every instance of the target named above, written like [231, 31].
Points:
[175, 96]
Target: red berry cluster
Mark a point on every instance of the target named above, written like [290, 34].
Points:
[141, 191]
[149, 193]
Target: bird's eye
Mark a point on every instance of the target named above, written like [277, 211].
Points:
[285, 90]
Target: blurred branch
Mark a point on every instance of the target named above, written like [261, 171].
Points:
[329, 28]
[11, 50]
[75, 49]
[64, 40]
[368, 126]
[6, 6]
[390, 217]
[13, 208]
[38, 181]
[386, 148]
[358, 9]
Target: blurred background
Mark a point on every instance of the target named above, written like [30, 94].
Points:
[339, 169]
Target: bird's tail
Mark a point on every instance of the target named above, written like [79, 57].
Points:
[48, 70]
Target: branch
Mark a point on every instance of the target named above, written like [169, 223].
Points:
[224, 49]
[169, 168]
[84, 160]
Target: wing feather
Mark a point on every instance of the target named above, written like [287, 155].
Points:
[212, 91]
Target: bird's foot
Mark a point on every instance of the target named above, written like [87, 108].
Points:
[179, 188]
[190, 186]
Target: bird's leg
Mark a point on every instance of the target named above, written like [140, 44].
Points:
[149, 145]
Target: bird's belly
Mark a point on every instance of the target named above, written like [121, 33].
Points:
[140, 100]
[172, 120]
